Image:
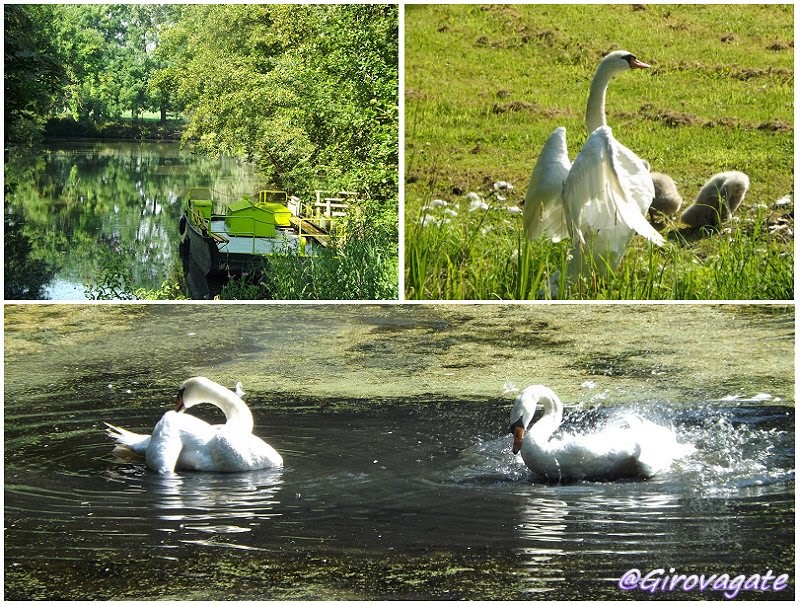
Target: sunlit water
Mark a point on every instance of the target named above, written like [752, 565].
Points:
[397, 498]
[80, 202]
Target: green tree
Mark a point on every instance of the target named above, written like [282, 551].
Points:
[308, 92]
[34, 71]
[110, 52]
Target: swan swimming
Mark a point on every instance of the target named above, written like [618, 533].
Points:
[601, 199]
[635, 449]
[181, 441]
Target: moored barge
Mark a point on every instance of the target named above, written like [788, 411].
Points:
[223, 240]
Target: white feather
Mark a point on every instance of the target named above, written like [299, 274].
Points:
[601, 200]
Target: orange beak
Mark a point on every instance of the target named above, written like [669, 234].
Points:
[519, 433]
[636, 64]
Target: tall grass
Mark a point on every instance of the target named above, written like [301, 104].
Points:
[486, 85]
[462, 259]
[363, 267]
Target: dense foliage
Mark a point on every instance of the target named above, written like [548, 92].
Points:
[93, 62]
[309, 93]
[34, 72]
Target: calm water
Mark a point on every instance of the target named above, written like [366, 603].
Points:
[82, 207]
[387, 495]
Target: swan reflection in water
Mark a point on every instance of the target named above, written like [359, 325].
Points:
[555, 533]
[195, 507]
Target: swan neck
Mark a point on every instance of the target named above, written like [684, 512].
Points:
[596, 105]
[545, 427]
[237, 414]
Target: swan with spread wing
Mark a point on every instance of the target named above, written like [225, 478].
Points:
[601, 199]
[633, 448]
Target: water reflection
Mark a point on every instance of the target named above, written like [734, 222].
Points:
[203, 508]
[84, 208]
[542, 530]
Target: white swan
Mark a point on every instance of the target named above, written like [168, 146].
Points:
[636, 448]
[601, 199]
[181, 441]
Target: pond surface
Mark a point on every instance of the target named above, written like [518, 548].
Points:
[82, 207]
[401, 488]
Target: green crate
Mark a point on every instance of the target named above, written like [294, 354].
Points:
[280, 213]
[244, 219]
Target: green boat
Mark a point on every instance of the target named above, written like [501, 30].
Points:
[222, 240]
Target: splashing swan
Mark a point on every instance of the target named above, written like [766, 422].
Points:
[181, 441]
[601, 199]
[636, 449]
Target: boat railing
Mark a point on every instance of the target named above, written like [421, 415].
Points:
[272, 195]
[325, 211]
[196, 218]
[334, 206]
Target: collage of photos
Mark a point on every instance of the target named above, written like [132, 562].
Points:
[468, 302]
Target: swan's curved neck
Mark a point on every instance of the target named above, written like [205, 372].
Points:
[543, 429]
[236, 411]
[525, 407]
[596, 106]
[238, 414]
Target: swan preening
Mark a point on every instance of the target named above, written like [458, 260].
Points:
[601, 199]
[634, 448]
[181, 441]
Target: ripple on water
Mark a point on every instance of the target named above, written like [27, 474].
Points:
[398, 494]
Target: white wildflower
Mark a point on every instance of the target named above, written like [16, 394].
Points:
[476, 202]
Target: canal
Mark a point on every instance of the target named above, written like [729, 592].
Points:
[86, 218]
[399, 481]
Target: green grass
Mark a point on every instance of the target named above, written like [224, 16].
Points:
[486, 85]
[362, 267]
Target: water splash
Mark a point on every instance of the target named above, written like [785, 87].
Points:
[715, 450]
[739, 449]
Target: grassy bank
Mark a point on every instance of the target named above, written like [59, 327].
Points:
[147, 129]
[486, 85]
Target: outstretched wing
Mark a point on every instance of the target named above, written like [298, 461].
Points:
[606, 195]
[544, 210]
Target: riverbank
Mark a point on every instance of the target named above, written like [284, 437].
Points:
[123, 128]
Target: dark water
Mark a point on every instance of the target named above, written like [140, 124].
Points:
[404, 502]
[390, 496]
[81, 211]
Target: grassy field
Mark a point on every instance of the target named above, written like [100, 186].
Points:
[487, 84]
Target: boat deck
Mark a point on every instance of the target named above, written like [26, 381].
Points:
[284, 241]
